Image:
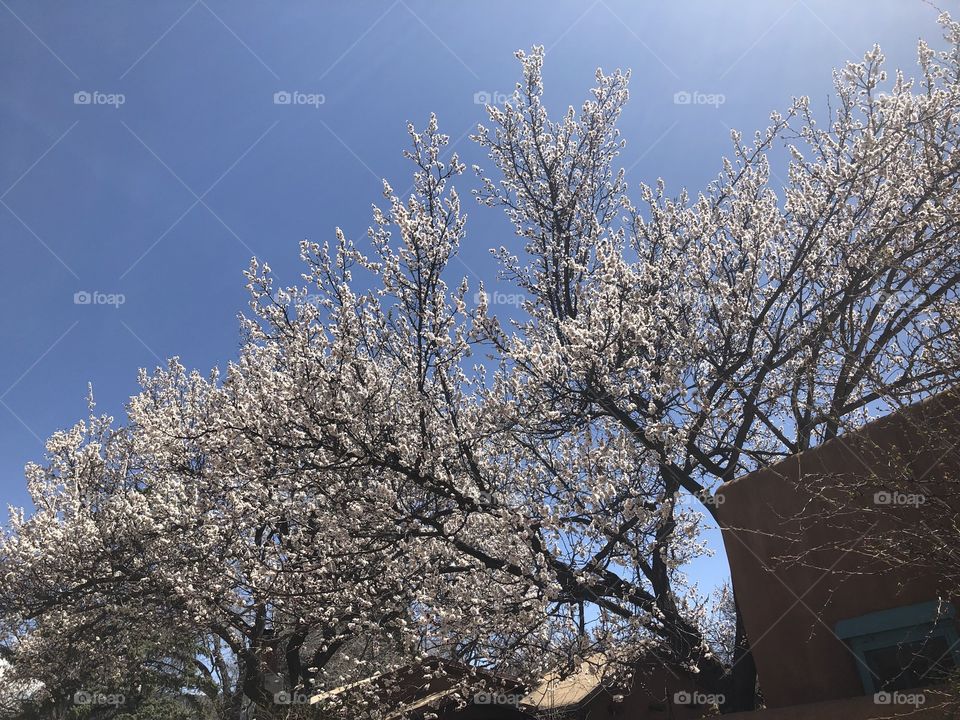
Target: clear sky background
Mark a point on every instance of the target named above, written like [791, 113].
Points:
[166, 197]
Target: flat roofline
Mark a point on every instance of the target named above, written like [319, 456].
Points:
[950, 394]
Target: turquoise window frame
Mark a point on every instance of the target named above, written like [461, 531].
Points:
[889, 628]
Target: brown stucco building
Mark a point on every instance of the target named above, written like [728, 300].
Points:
[831, 619]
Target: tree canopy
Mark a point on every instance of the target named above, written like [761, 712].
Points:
[389, 472]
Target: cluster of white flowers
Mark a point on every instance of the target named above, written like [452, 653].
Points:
[357, 474]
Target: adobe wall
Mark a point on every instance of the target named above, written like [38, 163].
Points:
[772, 517]
[858, 708]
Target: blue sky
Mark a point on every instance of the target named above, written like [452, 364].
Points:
[164, 198]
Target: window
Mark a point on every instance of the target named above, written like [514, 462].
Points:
[905, 647]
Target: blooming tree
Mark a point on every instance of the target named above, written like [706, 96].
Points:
[714, 335]
[385, 461]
